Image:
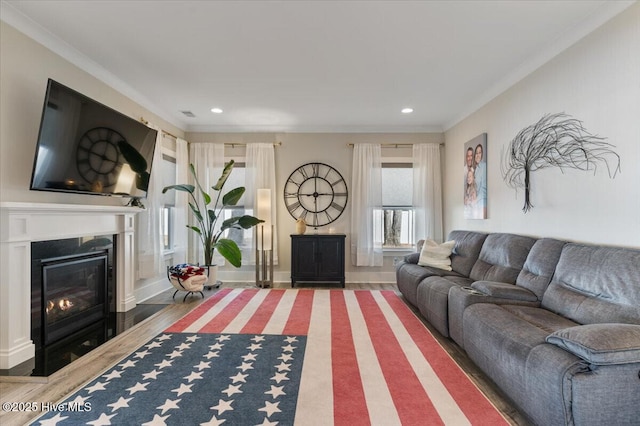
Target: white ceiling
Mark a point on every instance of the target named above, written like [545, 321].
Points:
[325, 66]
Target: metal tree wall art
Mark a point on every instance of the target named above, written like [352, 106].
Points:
[556, 140]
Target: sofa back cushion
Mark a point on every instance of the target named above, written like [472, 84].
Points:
[502, 257]
[540, 264]
[466, 250]
[595, 284]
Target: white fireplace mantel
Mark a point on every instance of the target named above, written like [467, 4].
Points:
[23, 223]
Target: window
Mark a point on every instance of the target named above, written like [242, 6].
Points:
[167, 218]
[397, 220]
[242, 237]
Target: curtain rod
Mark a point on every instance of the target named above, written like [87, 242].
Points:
[394, 145]
[234, 145]
[164, 132]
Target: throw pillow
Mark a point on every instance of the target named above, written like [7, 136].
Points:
[436, 255]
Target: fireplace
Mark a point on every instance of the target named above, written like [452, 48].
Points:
[67, 227]
[72, 287]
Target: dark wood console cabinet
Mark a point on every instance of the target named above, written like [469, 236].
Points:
[317, 258]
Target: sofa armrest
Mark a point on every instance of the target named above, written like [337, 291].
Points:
[412, 258]
[504, 291]
[600, 344]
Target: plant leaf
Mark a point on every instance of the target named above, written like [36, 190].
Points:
[229, 223]
[205, 196]
[247, 221]
[232, 197]
[196, 212]
[181, 187]
[195, 228]
[230, 251]
[142, 180]
[225, 174]
[133, 157]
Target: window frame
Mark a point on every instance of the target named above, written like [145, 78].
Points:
[168, 212]
[404, 163]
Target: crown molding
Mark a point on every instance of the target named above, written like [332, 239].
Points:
[312, 129]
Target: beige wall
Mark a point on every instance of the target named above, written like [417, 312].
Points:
[25, 66]
[597, 81]
[330, 148]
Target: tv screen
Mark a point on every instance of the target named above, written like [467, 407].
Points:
[87, 147]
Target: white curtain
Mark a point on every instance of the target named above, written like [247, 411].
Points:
[150, 246]
[208, 161]
[366, 207]
[260, 173]
[182, 198]
[427, 191]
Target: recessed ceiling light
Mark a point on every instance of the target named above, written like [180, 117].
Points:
[216, 110]
[407, 110]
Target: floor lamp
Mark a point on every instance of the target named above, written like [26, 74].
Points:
[264, 240]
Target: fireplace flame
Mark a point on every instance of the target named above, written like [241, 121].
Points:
[58, 305]
[65, 304]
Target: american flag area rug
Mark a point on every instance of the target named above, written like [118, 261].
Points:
[285, 357]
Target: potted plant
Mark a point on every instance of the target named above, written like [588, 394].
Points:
[207, 217]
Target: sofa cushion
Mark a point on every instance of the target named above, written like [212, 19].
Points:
[501, 258]
[600, 344]
[504, 290]
[436, 255]
[595, 284]
[409, 275]
[541, 262]
[466, 251]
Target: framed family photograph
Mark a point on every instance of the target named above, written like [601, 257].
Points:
[475, 178]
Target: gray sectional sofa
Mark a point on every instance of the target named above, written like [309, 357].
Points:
[556, 325]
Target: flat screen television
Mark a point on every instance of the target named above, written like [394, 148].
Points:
[86, 147]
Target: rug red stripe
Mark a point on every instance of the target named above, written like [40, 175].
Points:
[298, 322]
[349, 403]
[412, 402]
[264, 312]
[473, 403]
[222, 320]
[192, 316]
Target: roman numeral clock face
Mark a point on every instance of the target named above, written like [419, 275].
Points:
[317, 193]
[98, 157]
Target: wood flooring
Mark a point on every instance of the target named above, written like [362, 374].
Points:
[53, 388]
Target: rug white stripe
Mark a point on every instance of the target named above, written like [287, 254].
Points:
[315, 397]
[382, 410]
[278, 320]
[444, 403]
[211, 313]
[244, 316]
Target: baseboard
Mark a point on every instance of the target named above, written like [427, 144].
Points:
[150, 288]
[285, 277]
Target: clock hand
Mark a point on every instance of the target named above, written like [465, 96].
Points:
[102, 156]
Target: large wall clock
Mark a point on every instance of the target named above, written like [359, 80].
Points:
[98, 157]
[317, 193]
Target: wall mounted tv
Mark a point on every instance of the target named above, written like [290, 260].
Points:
[86, 147]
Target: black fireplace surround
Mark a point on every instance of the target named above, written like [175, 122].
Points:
[72, 296]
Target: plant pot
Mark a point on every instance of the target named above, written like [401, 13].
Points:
[212, 275]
